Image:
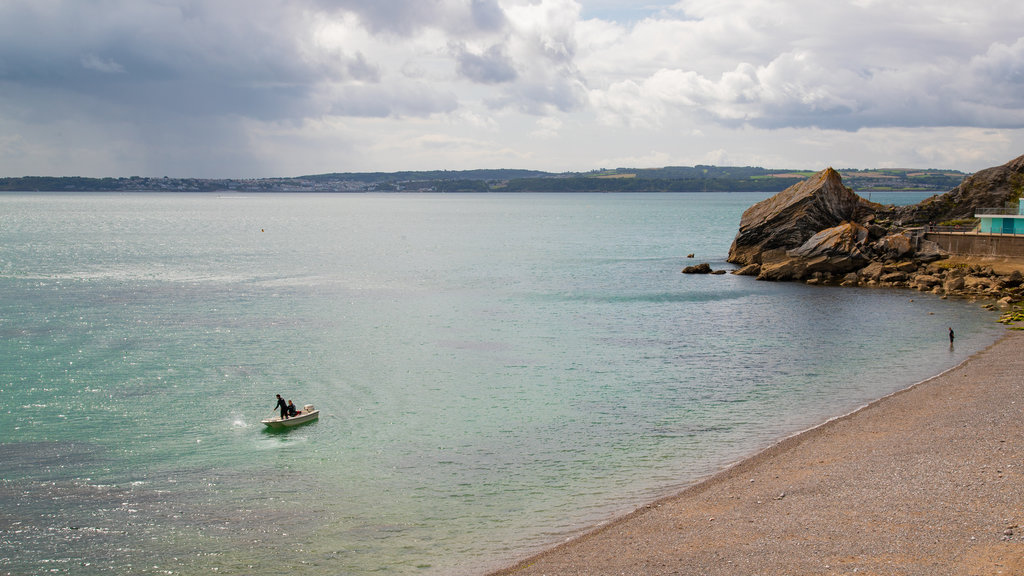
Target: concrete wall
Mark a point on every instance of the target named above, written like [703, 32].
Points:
[971, 244]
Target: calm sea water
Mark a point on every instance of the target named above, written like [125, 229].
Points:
[495, 373]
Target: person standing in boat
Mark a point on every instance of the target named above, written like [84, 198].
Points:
[283, 406]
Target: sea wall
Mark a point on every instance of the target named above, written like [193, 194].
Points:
[968, 244]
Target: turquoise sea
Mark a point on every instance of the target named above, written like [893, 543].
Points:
[495, 373]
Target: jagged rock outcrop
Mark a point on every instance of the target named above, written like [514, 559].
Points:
[835, 250]
[988, 188]
[821, 232]
[791, 217]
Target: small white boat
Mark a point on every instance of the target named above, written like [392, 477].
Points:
[306, 415]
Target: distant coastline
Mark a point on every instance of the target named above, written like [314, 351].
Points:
[668, 179]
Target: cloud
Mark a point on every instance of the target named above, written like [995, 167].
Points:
[94, 62]
[547, 128]
[558, 81]
[187, 59]
[491, 67]
[410, 17]
[542, 42]
[804, 65]
[380, 101]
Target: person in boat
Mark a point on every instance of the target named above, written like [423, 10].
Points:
[291, 409]
[283, 406]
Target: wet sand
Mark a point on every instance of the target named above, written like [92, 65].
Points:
[927, 481]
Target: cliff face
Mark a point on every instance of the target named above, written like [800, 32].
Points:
[988, 188]
[792, 216]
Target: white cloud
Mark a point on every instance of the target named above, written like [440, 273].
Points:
[557, 84]
[776, 64]
[547, 128]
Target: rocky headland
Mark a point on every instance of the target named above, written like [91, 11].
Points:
[821, 232]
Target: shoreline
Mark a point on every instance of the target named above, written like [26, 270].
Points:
[925, 480]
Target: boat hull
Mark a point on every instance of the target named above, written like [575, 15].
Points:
[304, 418]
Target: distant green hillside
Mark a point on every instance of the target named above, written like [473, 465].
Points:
[429, 176]
[668, 179]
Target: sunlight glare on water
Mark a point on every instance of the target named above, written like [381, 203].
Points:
[495, 373]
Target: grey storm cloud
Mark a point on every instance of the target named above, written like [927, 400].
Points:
[182, 78]
[491, 67]
[180, 58]
[406, 17]
[158, 56]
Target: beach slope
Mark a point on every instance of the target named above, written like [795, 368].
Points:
[926, 481]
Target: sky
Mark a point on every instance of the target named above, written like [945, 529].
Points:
[280, 88]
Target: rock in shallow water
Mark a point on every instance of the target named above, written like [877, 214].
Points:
[703, 268]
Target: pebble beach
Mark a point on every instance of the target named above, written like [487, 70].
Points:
[929, 480]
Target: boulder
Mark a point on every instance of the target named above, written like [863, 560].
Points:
[926, 281]
[1013, 280]
[836, 250]
[777, 264]
[872, 271]
[894, 245]
[791, 217]
[748, 270]
[928, 251]
[876, 231]
[953, 284]
[956, 272]
[905, 266]
[703, 268]
[893, 277]
[977, 284]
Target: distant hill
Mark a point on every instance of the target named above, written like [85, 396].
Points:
[431, 175]
[667, 179]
